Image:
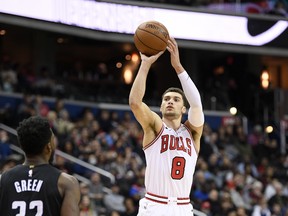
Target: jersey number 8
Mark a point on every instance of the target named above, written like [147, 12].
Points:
[178, 167]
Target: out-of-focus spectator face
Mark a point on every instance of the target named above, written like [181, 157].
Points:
[226, 205]
[270, 171]
[3, 136]
[257, 187]
[129, 204]
[241, 211]
[68, 146]
[232, 213]
[89, 116]
[213, 195]
[95, 178]
[276, 209]
[95, 146]
[214, 137]
[95, 125]
[278, 187]
[200, 177]
[105, 115]
[226, 162]
[114, 213]
[229, 129]
[213, 160]
[52, 116]
[85, 201]
[84, 189]
[64, 114]
[239, 179]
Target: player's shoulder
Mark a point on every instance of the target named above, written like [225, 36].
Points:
[67, 179]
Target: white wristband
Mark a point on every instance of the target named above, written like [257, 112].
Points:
[195, 113]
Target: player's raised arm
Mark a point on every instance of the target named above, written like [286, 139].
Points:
[195, 112]
[141, 111]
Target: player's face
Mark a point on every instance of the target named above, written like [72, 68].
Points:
[172, 105]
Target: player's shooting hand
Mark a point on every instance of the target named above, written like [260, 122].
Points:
[150, 59]
[174, 55]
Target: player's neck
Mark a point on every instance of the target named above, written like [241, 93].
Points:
[35, 160]
[172, 123]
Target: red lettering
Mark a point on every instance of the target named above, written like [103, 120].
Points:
[188, 141]
[164, 143]
[173, 142]
[180, 145]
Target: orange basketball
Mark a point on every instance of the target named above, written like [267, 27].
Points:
[151, 37]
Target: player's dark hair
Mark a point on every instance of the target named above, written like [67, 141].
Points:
[178, 90]
[34, 134]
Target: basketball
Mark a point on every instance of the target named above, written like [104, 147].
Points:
[151, 37]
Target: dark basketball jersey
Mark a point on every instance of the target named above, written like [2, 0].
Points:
[30, 191]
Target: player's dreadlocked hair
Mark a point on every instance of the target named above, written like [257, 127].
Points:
[178, 90]
[33, 134]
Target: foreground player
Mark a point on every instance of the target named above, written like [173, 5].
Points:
[37, 188]
[171, 148]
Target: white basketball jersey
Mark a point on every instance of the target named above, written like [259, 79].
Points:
[171, 159]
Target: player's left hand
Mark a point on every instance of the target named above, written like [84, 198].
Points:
[150, 59]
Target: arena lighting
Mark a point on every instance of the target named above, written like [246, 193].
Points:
[233, 110]
[269, 129]
[135, 58]
[128, 76]
[265, 80]
[2, 32]
[118, 18]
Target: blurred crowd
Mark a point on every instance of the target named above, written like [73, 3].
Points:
[237, 173]
[272, 7]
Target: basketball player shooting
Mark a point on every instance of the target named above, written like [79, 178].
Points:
[171, 147]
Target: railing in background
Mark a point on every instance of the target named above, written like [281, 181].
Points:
[64, 155]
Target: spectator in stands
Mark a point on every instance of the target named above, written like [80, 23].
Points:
[5, 142]
[44, 83]
[59, 105]
[105, 121]
[86, 118]
[87, 207]
[40, 107]
[8, 76]
[96, 190]
[11, 162]
[131, 209]
[63, 165]
[114, 201]
[226, 203]
[26, 107]
[278, 198]
[63, 125]
[261, 208]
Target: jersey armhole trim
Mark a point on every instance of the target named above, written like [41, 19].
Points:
[156, 138]
[191, 139]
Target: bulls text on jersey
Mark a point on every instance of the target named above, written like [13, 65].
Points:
[170, 142]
